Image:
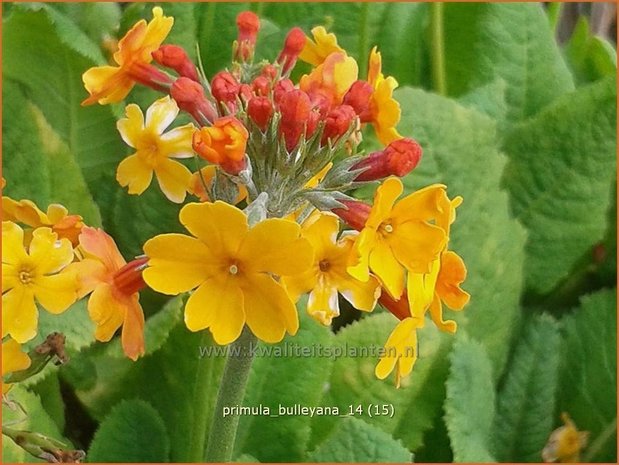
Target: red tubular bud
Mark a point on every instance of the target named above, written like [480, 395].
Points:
[358, 97]
[295, 109]
[128, 280]
[246, 92]
[248, 25]
[261, 86]
[225, 87]
[282, 88]
[148, 75]
[260, 111]
[269, 71]
[399, 308]
[293, 45]
[398, 159]
[338, 121]
[189, 95]
[312, 122]
[175, 57]
[355, 214]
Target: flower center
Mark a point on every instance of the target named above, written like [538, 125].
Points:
[386, 228]
[233, 269]
[324, 265]
[25, 277]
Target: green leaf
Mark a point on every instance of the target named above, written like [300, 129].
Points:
[561, 177]
[74, 323]
[98, 20]
[356, 441]
[353, 381]
[512, 41]
[460, 150]
[48, 390]
[526, 402]
[132, 432]
[275, 381]
[469, 406]
[588, 375]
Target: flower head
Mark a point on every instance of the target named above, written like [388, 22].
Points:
[13, 359]
[111, 84]
[565, 443]
[233, 269]
[154, 148]
[33, 275]
[113, 285]
[223, 143]
[328, 274]
[316, 51]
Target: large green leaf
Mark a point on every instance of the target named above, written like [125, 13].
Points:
[561, 177]
[132, 432]
[275, 381]
[588, 376]
[512, 41]
[460, 150]
[526, 402]
[469, 406]
[354, 440]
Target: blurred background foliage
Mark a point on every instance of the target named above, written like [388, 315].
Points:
[515, 107]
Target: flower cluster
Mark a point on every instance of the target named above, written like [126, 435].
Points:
[275, 164]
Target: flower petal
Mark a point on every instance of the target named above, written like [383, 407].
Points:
[361, 295]
[384, 198]
[217, 305]
[268, 309]
[323, 304]
[177, 143]
[13, 251]
[400, 350]
[219, 225]
[10, 278]
[451, 275]
[275, 246]
[161, 114]
[177, 263]
[19, 314]
[106, 84]
[90, 273]
[416, 245]
[174, 179]
[300, 284]
[48, 253]
[99, 244]
[106, 311]
[436, 312]
[321, 230]
[131, 128]
[387, 269]
[13, 359]
[362, 248]
[134, 173]
[56, 293]
[133, 328]
[426, 204]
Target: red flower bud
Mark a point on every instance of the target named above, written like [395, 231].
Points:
[399, 308]
[224, 87]
[269, 71]
[175, 57]
[398, 159]
[128, 279]
[148, 75]
[282, 88]
[245, 92]
[260, 111]
[248, 25]
[355, 214]
[293, 45]
[189, 95]
[295, 109]
[261, 86]
[338, 121]
[358, 97]
[312, 122]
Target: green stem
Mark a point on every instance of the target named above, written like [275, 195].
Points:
[597, 445]
[231, 393]
[438, 48]
[363, 37]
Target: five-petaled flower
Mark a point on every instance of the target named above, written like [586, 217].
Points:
[233, 268]
[154, 148]
[328, 274]
[36, 274]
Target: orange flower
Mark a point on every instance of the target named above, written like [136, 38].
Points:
[223, 143]
[331, 79]
[114, 284]
[111, 84]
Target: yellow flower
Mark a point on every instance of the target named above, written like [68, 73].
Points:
[234, 269]
[114, 284]
[154, 150]
[33, 275]
[111, 84]
[399, 237]
[324, 44]
[13, 359]
[385, 110]
[565, 443]
[331, 79]
[57, 217]
[328, 274]
[400, 352]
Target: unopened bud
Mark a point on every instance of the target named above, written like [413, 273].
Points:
[189, 95]
[225, 87]
[269, 71]
[175, 57]
[261, 86]
[358, 97]
[150, 76]
[398, 159]
[282, 88]
[295, 110]
[248, 25]
[260, 110]
[338, 121]
[293, 45]
[355, 214]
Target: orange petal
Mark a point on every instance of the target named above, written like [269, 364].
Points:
[133, 328]
[106, 311]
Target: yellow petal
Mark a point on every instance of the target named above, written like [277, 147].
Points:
[387, 269]
[24, 211]
[315, 51]
[161, 114]
[385, 197]
[106, 84]
[174, 179]
[90, 273]
[275, 246]
[156, 32]
[49, 253]
[416, 244]
[420, 289]
[13, 359]
[19, 314]
[13, 251]
[131, 128]
[177, 263]
[10, 277]
[364, 244]
[268, 309]
[436, 312]
[323, 304]
[132, 337]
[400, 349]
[56, 293]
[426, 204]
[361, 295]
[300, 284]
[219, 225]
[217, 305]
[106, 311]
[134, 173]
[374, 66]
[321, 230]
[177, 143]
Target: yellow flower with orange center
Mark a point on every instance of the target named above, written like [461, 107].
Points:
[233, 269]
[33, 275]
[399, 236]
[223, 143]
[13, 359]
[324, 44]
[111, 84]
[113, 285]
[328, 274]
[332, 78]
[154, 148]
[385, 110]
